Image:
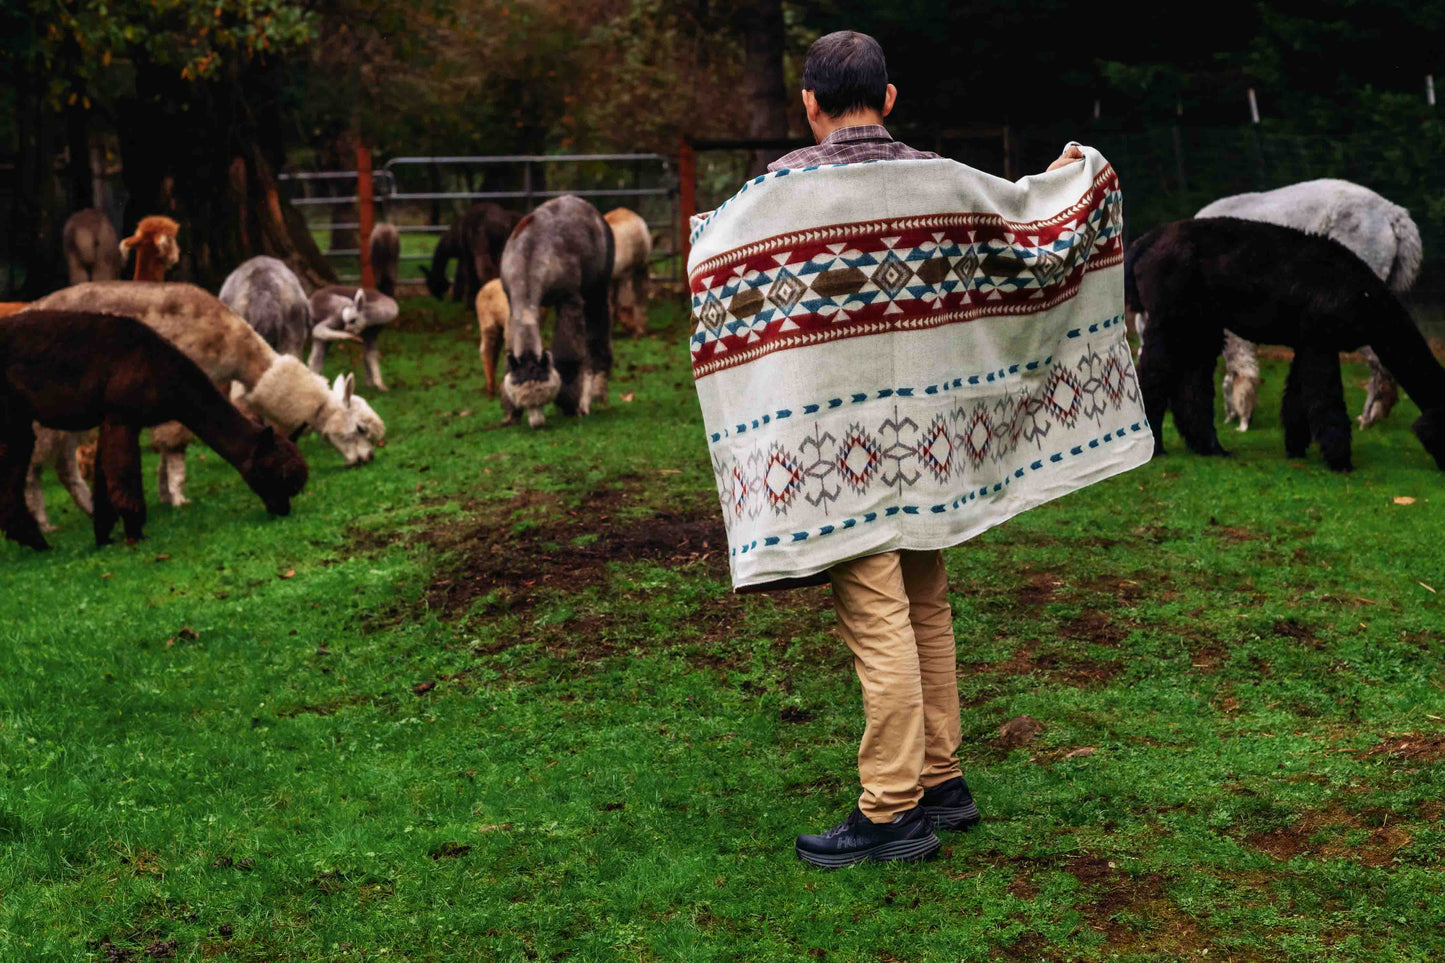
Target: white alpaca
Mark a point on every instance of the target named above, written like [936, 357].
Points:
[278, 388]
[1380, 233]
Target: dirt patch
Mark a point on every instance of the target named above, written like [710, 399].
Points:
[1058, 667]
[1038, 591]
[1095, 627]
[1232, 533]
[1411, 747]
[1335, 833]
[1292, 629]
[1017, 732]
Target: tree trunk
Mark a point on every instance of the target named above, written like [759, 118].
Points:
[35, 233]
[761, 24]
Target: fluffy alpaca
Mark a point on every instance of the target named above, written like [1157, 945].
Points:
[59, 450]
[73, 370]
[89, 242]
[385, 257]
[632, 241]
[270, 297]
[279, 388]
[155, 245]
[351, 314]
[476, 240]
[492, 326]
[559, 255]
[1241, 380]
[1274, 285]
[1380, 233]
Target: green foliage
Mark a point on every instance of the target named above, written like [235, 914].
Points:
[218, 736]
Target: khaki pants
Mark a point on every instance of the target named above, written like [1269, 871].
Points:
[893, 612]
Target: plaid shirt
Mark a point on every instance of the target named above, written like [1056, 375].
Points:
[851, 145]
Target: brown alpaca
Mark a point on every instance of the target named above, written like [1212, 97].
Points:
[74, 370]
[155, 246]
[627, 295]
[492, 323]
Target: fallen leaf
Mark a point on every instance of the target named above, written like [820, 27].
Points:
[1403, 500]
[628, 396]
[162, 558]
[107, 575]
[1081, 752]
[288, 573]
[422, 688]
[1018, 730]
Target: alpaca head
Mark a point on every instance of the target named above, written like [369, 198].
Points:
[156, 248]
[275, 471]
[351, 425]
[1430, 429]
[436, 281]
[531, 382]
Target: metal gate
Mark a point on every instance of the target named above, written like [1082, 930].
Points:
[421, 196]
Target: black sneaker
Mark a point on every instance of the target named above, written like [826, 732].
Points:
[949, 805]
[857, 839]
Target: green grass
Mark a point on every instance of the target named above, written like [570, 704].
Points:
[224, 735]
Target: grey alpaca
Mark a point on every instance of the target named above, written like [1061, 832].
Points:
[559, 256]
[1380, 233]
[342, 313]
[385, 257]
[270, 297]
[92, 251]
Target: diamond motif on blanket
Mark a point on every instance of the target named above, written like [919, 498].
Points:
[1063, 396]
[892, 275]
[1113, 379]
[936, 449]
[782, 479]
[739, 489]
[787, 290]
[858, 458]
[978, 436]
[712, 314]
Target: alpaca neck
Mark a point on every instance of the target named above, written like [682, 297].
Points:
[217, 422]
[1406, 354]
[148, 264]
[289, 395]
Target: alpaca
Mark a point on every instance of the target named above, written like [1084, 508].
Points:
[492, 325]
[351, 314]
[270, 297]
[476, 240]
[59, 450]
[279, 388]
[89, 241]
[559, 256]
[385, 257]
[1275, 285]
[73, 370]
[155, 245]
[627, 296]
[1382, 234]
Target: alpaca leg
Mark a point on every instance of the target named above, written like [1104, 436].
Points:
[599, 342]
[1293, 413]
[35, 498]
[120, 453]
[1382, 393]
[1193, 405]
[371, 356]
[640, 282]
[491, 347]
[1323, 398]
[67, 469]
[1155, 380]
[317, 361]
[569, 357]
[173, 463]
[103, 517]
[17, 445]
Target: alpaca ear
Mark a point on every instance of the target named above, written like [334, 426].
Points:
[359, 300]
[349, 387]
[295, 436]
[266, 439]
[126, 245]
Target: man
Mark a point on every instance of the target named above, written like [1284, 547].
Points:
[893, 608]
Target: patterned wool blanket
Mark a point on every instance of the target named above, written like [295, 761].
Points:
[902, 354]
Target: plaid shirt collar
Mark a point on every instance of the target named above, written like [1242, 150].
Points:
[852, 135]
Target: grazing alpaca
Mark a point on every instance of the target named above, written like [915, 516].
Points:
[155, 245]
[1382, 234]
[559, 256]
[89, 241]
[1274, 285]
[73, 371]
[476, 240]
[385, 257]
[278, 388]
[59, 450]
[632, 242]
[351, 314]
[270, 297]
[492, 326]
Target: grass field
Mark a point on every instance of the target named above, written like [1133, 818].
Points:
[490, 698]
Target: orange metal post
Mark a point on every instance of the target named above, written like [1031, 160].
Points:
[365, 214]
[687, 198]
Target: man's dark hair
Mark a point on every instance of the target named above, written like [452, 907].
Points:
[846, 71]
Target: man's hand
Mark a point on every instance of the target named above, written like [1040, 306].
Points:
[1070, 154]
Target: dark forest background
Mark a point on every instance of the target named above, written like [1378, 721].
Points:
[194, 107]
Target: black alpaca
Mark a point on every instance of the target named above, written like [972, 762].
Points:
[1270, 285]
[72, 370]
[475, 240]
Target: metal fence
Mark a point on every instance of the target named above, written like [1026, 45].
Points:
[422, 196]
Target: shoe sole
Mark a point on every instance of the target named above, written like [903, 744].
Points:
[907, 850]
[953, 817]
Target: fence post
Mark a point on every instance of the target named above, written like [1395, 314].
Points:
[365, 213]
[687, 199]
